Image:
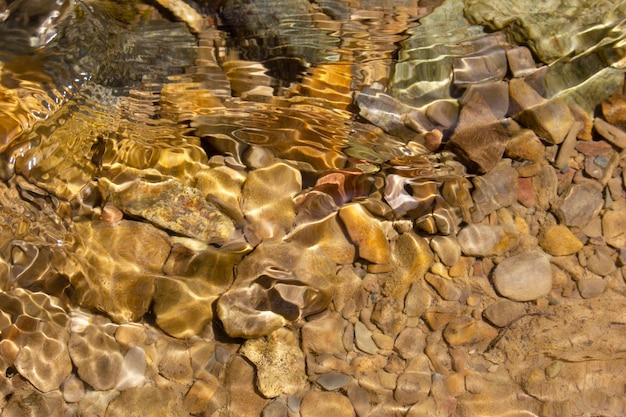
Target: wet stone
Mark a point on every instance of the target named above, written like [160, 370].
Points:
[496, 189]
[479, 148]
[326, 404]
[410, 343]
[279, 363]
[521, 62]
[485, 240]
[444, 287]
[365, 231]
[412, 387]
[611, 133]
[145, 402]
[447, 248]
[333, 381]
[460, 331]
[523, 277]
[97, 357]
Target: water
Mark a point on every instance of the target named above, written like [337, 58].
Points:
[177, 180]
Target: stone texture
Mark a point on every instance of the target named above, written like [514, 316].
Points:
[580, 204]
[366, 233]
[485, 240]
[614, 228]
[97, 358]
[146, 402]
[523, 277]
[460, 331]
[412, 387]
[611, 133]
[503, 312]
[326, 404]
[447, 248]
[558, 240]
[496, 189]
[279, 363]
[479, 149]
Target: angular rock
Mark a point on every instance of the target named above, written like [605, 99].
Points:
[600, 262]
[551, 121]
[521, 62]
[545, 185]
[203, 397]
[410, 343]
[558, 240]
[581, 203]
[614, 110]
[412, 387]
[479, 148]
[489, 64]
[279, 363]
[363, 339]
[525, 146]
[323, 335]
[496, 189]
[523, 277]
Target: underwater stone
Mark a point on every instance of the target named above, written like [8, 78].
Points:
[524, 277]
[366, 233]
[174, 206]
[580, 204]
[97, 357]
[279, 363]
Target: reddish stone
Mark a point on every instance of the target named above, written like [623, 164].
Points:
[525, 192]
[594, 148]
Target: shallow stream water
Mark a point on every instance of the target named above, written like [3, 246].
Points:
[312, 208]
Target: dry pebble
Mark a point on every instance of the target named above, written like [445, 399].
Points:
[524, 277]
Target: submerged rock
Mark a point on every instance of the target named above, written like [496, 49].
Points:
[172, 205]
[524, 277]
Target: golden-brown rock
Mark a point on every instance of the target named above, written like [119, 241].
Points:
[558, 240]
[366, 233]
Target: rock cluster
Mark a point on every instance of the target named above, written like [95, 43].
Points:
[271, 253]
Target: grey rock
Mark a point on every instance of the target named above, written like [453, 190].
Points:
[523, 277]
[591, 287]
[496, 189]
[483, 240]
[581, 203]
[333, 381]
[363, 339]
[601, 263]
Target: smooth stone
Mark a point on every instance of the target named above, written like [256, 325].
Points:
[493, 94]
[614, 109]
[614, 228]
[146, 401]
[489, 65]
[600, 262]
[550, 121]
[485, 240]
[388, 316]
[460, 330]
[503, 312]
[447, 248]
[183, 306]
[97, 357]
[558, 240]
[523, 277]
[326, 404]
[133, 370]
[267, 199]
[203, 397]
[279, 363]
[323, 335]
[443, 113]
[444, 287]
[496, 189]
[366, 233]
[333, 380]
[73, 389]
[417, 300]
[222, 186]
[591, 287]
[412, 387]
[175, 363]
[410, 343]
[241, 391]
[581, 203]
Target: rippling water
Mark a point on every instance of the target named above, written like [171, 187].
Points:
[180, 177]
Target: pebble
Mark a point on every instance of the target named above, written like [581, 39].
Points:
[460, 330]
[558, 240]
[447, 248]
[333, 381]
[600, 262]
[611, 133]
[326, 404]
[496, 189]
[444, 287]
[485, 240]
[523, 277]
[366, 233]
[363, 339]
[412, 387]
[97, 357]
[581, 204]
[503, 312]
[614, 228]
[591, 287]
[323, 335]
[525, 192]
